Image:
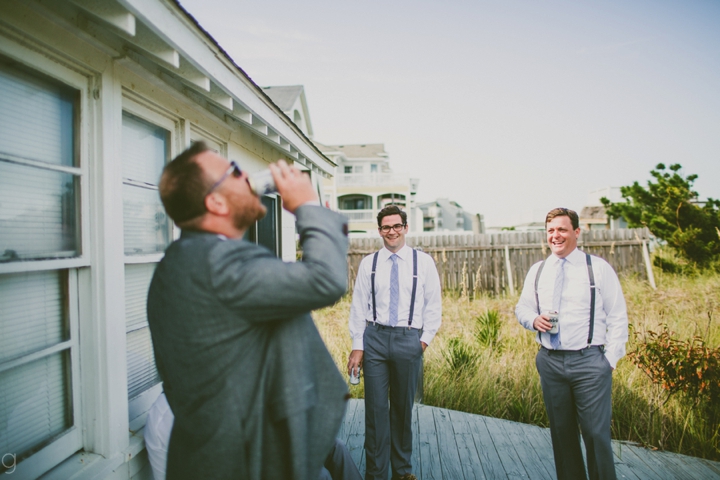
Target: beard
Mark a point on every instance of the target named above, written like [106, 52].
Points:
[250, 213]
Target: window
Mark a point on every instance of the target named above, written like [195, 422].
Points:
[355, 202]
[267, 230]
[391, 199]
[145, 152]
[39, 245]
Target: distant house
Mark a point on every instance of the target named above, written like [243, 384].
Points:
[96, 97]
[447, 215]
[364, 184]
[292, 101]
[593, 216]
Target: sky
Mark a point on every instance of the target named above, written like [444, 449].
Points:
[510, 108]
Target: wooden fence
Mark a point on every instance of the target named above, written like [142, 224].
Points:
[498, 262]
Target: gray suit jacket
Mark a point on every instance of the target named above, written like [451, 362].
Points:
[254, 390]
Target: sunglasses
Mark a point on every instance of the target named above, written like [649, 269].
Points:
[398, 227]
[233, 170]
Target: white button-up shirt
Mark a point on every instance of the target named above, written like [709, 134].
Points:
[428, 299]
[611, 321]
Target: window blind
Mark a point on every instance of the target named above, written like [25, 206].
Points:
[34, 398]
[38, 217]
[146, 231]
[34, 404]
[38, 220]
[142, 373]
[145, 222]
[32, 312]
[37, 121]
[144, 150]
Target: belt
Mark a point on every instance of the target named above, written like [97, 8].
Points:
[572, 352]
[380, 326]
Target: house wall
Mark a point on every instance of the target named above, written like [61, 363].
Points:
[104, 436]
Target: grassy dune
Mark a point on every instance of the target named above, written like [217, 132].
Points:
[493, 373]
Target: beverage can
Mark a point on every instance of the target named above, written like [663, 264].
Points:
[262, 183]
[553, 319]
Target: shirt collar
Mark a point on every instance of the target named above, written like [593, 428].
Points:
[403, 253]
[574, 257]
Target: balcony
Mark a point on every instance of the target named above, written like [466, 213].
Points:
[372, 180]
[359, 215]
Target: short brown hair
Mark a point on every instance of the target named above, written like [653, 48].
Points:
[391, 210]
[563, 212]
[183, 185]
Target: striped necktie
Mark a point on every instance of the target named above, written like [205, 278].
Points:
[557, 296]
[394, 291]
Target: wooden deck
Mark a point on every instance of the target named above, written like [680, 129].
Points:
[454, 445]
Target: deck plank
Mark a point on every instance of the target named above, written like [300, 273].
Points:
[450, 445]
[644, 466]
[429, 451]
[511, 461]
[416, 443]
[447, 446]
[534, 451]
[683, 467]
[487, 451]
[714, 466]
[622, 468]
[469, 458]
[356, 437]
[350, 410]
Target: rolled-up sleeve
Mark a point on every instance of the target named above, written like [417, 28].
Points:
[526, 309]
[617, 318]
[359, 311]
[432, 307]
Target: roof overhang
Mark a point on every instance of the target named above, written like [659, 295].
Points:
[160, 36]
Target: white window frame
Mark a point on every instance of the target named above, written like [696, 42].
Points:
[71, 440]
[197, 133]
[151, 113]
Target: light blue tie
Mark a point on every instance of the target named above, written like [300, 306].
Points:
[557, 295]
[394, 291]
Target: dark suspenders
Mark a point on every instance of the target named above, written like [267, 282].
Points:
[414, 289]
[591, 276]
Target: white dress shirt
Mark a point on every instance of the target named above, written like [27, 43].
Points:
[428, 299]
[611, 321]
[158, 428]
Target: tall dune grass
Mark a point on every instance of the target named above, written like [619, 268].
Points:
[464, 371]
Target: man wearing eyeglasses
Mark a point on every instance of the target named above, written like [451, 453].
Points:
[396, 312]
[254, 391]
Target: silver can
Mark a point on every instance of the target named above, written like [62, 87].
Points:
[553, 319]
[262, 183]
[355, 376]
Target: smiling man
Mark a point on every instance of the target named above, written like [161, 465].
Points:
[576, 359]
[396, 312]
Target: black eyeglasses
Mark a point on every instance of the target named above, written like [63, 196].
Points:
[398, 227]
[233, 169]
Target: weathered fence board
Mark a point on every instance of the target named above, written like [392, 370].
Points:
[472, 263]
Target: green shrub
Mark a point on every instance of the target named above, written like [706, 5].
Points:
[487, 331]
[459, 355]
